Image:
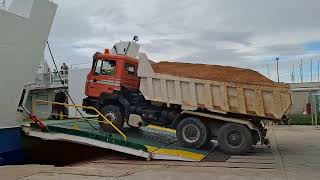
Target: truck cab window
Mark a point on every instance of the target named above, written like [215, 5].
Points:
[106, 67]
[98, 67]
[130, 69]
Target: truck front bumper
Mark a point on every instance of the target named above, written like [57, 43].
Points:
[89, 102]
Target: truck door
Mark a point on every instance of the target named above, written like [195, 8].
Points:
[129, 78]
[103, 79]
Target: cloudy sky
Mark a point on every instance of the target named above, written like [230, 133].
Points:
[242, 33]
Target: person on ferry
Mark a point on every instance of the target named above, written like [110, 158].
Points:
[64, 69]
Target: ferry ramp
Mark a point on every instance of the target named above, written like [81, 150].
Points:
[149, 142]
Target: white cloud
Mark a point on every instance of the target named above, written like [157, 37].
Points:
[243, 33]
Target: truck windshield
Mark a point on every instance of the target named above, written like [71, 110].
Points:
[105, 67]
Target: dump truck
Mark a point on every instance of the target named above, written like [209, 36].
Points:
[201, 102]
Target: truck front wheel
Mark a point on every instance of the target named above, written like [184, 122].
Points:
[192, 132]
[113, 114]
[234, 138]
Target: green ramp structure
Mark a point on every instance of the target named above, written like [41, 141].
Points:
[150, 142]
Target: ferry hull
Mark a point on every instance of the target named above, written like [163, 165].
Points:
[10, 146]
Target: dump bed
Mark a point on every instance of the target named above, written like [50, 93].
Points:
[240, 91]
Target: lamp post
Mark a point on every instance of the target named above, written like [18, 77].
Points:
[277, 59]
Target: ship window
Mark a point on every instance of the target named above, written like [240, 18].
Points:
[130, 69]
[42, 97]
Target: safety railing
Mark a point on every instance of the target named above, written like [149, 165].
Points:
[106, 120]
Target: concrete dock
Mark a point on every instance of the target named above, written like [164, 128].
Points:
[294, 154]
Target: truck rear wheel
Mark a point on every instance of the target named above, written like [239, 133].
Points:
[192, 132]
[234, 138]
[113, 114]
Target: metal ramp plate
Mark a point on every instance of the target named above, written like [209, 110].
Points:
[150, 142]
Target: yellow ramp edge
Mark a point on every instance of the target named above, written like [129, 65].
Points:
[75, 127]
[176, 152]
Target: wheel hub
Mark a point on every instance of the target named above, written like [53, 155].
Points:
[111, 117]
[234, 138]
[190, 133]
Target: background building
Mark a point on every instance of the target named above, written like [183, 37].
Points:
[301, 95]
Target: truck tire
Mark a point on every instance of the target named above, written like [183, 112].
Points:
[113, 114]
[192, 132]
[234, 138]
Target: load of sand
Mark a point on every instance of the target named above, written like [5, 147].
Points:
[213, 72]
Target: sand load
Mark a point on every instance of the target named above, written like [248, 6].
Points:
[213, 72]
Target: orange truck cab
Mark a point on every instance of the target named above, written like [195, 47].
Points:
[112, 87]
[111, 73]
[110, 76]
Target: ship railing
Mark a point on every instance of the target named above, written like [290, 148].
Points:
[48, 78]
[63, 74]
